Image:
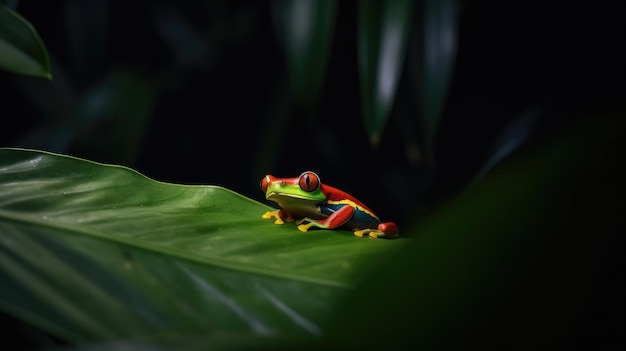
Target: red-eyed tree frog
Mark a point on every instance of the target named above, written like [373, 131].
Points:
[310, 203]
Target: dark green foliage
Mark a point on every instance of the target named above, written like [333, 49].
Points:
[21, 49]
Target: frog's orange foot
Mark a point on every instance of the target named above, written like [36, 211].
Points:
[273, 214]
[372, 233]
[385, 230]
[279, 215]
[360, 233]
[306, 223]
[304, 227]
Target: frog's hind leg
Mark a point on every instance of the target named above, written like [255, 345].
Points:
[335, 220]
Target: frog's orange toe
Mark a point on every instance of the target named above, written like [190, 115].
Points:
[304, 227]
[360, 233]
[375, 234]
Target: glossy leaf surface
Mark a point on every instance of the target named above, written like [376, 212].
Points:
[90, 252]
[21, 49]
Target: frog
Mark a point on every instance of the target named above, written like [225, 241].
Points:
[311, 204]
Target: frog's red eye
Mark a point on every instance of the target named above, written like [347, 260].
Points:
[309, 181]
[264, 182]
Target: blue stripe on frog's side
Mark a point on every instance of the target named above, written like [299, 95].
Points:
[360, 219]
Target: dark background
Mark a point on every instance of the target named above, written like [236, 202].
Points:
[220, 80]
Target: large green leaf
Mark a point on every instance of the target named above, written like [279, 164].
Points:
[21, 49]
[91, 253]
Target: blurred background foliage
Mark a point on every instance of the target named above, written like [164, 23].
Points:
[402, 103]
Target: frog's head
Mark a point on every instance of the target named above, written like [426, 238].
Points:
[304, 189]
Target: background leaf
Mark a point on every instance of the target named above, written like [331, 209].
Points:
[21, 49]
[308, 30]
[122, 105]
[92, 252]
[382, 36]
[440, 47]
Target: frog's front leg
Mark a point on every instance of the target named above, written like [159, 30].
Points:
[279, 215]
[335, 220]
